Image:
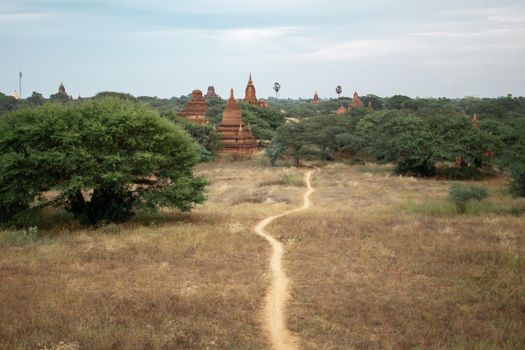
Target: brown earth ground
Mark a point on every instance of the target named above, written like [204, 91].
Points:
[377, 262]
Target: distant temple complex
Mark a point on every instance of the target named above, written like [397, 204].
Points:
[235, 137]
[250, 96]
[356, 102]
[316, 100]
[211, 92]
[196, 108]
[61, 88]
[341, 110]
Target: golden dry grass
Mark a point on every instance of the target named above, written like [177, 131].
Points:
[368, 275]
[186, 281]
[367, 270]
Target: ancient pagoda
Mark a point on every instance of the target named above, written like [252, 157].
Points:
[196, 108]
[211, 92]
[475, 121]
[341, 110]
[316, 100]
[235, 137]
[250, 97]
[61, 88]
[356, 102]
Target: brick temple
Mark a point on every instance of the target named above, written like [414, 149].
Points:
[356, 102]
[195, 109]
[235, 137]
[341, 110]
[211, 92]
[250, 97]
[316, 99]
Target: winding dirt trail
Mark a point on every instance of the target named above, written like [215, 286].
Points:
[276, 297]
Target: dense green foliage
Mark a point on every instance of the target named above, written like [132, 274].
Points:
[415, 138]
[461, 195]
[323, 137]
[7, 103]
[416, 143]
[414, 133]
[99, 159]
[204, 135]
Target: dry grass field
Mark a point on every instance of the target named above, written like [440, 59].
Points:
[375, 266]
[378, 262]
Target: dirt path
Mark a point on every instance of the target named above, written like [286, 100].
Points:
[280, 337]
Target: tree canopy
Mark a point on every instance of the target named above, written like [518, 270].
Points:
[99, 159]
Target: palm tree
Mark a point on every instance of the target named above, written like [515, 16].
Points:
[338, 89]
[276, 87]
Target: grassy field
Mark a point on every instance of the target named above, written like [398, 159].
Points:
[373, 266]
[378, 262]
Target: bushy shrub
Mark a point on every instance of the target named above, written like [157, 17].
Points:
[462, 194]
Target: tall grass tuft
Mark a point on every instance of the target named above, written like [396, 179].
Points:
[461, 195]
[284, 180]
[447, 208]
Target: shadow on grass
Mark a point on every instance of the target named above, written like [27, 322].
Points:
[53, 223]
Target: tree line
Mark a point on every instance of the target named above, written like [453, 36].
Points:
[103, 158]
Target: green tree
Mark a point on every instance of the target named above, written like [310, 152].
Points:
[122, 152]
[292, 137]
[204, 135]
[274, 152]
[7, 103]
[398, 102]
[400, 137]
[60, 97]
[36, 99]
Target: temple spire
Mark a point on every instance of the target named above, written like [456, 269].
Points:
[315, 100]
[235, 138]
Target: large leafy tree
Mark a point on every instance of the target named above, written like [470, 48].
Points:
[417, 142]
[399, 137]
[101, 158]
[36, 99]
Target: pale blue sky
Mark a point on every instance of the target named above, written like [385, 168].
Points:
[168, 48]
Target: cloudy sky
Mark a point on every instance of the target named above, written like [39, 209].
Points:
[168, 48]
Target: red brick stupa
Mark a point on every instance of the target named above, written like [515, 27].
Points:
[316, 100]
[196, 108]
[61, 88]
[211, 92]
[233, 134]
[341, 110]
[250, 97]
[475, 121]
[356, 102]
